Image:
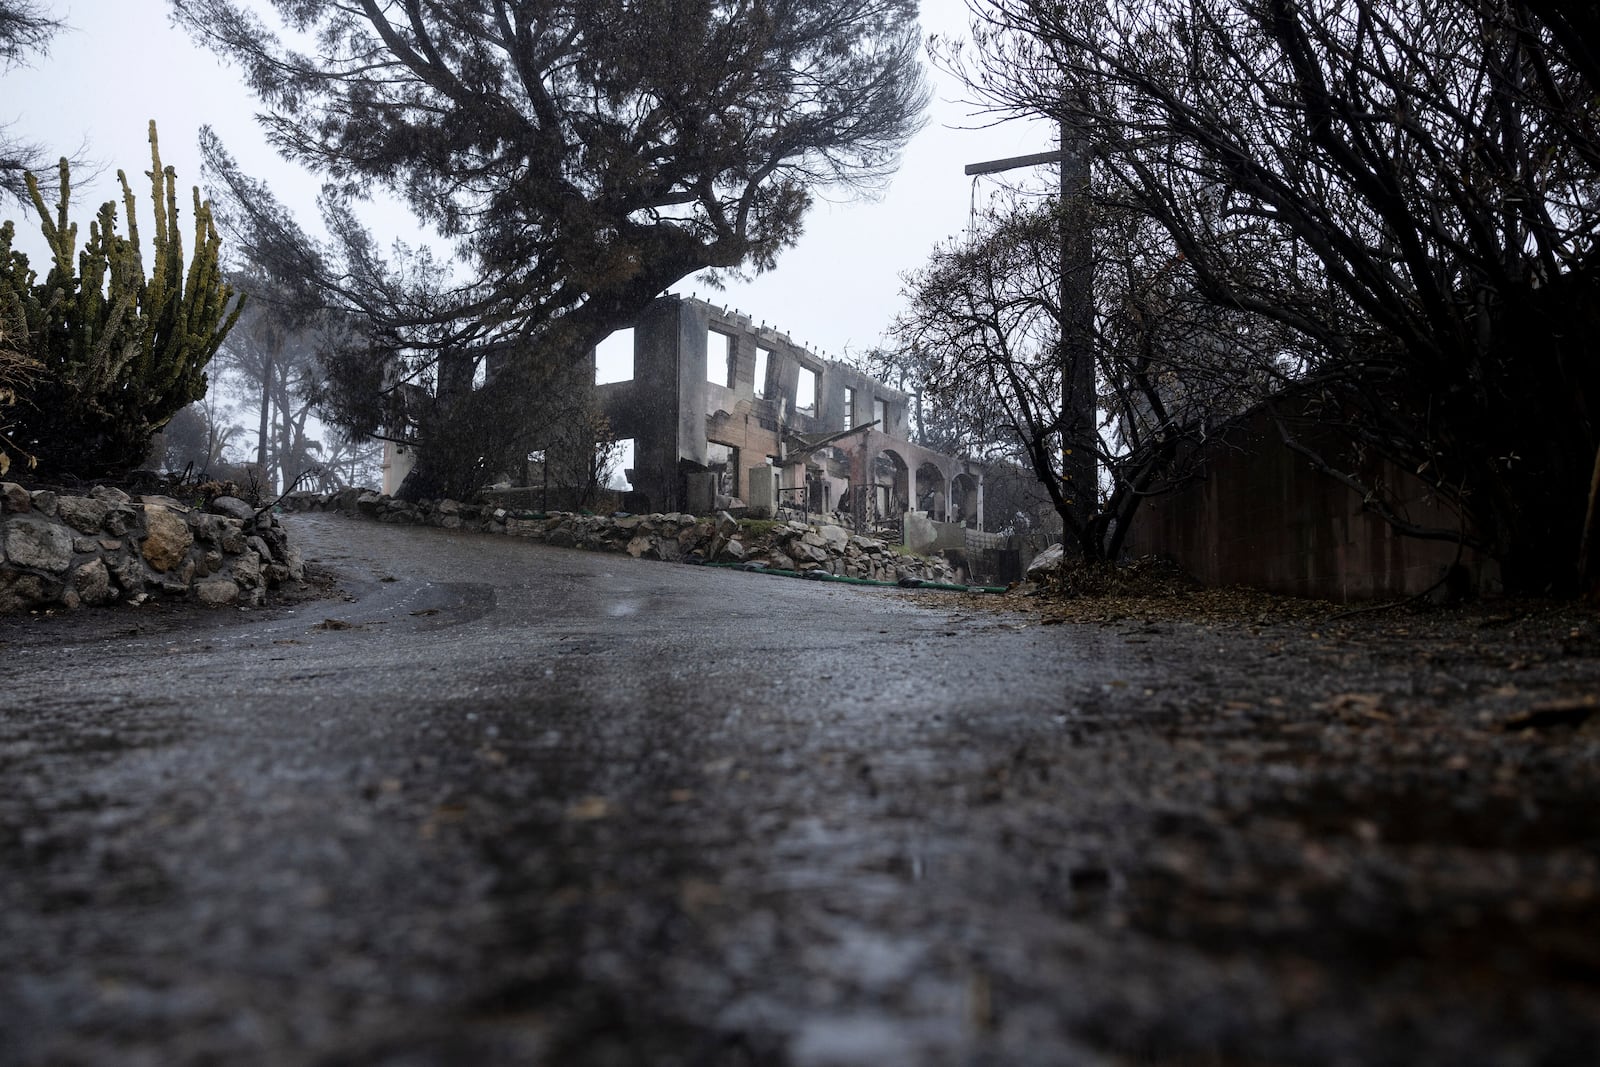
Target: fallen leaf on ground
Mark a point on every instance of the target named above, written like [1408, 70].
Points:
[589, 808]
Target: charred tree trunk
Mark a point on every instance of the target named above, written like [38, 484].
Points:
[1542, 431]
[459, 444]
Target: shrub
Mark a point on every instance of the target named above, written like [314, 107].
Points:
[17, 373]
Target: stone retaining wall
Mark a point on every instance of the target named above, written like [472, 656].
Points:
[60, 551]
[671, 537]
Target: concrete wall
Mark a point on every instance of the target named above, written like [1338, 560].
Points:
[647, 407]
[1262, 516]
[398, 460]
[928, 537]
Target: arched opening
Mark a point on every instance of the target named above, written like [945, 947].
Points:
[965, 506]
[931, 495]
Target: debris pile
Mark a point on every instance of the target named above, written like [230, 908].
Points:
[1145, 576]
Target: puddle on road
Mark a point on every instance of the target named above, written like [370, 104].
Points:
[851, 1040]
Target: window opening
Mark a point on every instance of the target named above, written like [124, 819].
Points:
[616, 463]
[613, 358]
[763, 361]
[849, 407]
[719, 358]
[805, 391]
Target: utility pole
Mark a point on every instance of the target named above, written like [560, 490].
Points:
[1079, 470]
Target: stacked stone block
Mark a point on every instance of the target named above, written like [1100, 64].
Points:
[60, 551]
[673, 537]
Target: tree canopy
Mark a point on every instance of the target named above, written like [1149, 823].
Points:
[580, 156]
[26, 29]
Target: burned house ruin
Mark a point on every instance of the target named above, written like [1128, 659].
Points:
[717, 413]
[722, 411]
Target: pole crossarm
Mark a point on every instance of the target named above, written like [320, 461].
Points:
[994, 166]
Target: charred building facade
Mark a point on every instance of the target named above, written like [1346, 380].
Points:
[722, 411]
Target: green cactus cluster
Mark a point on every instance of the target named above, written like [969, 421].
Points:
[118, 350]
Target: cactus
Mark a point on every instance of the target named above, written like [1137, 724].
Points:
[120, 352]
[16, 373]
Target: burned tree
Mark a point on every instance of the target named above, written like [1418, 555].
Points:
[275, 363]
[982, 340]
[1407, 186]
[580, 157]
[25, 30]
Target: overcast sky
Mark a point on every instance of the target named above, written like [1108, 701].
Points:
[120, 63]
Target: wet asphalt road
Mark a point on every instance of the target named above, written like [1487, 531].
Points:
[514, 804]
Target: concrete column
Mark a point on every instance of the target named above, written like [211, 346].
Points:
[981, 526]
[700, 492]
[761, 493]
[397, 463]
